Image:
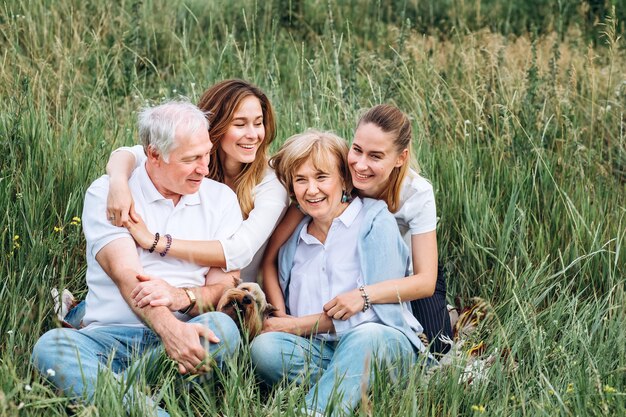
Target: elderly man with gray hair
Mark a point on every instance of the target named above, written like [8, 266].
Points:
[121, 323]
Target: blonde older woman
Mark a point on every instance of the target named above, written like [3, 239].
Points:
[342, 245]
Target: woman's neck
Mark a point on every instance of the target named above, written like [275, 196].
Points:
[318, 228]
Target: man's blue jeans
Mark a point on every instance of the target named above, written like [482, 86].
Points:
[342, 368]
[71, 359]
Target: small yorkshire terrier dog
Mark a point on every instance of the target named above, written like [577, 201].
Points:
[247, 306]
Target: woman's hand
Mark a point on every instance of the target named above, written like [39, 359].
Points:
[139, 231]
[120, 204]
[345, 305]
[156, 292]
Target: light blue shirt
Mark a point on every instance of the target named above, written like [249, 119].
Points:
[322, 271]
[382, 255]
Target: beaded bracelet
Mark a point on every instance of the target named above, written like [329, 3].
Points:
[167, 245]
[366, 298]
[156, 240]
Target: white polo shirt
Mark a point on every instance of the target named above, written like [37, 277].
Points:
[210, 213]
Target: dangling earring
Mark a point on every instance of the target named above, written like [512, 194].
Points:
[344, 196]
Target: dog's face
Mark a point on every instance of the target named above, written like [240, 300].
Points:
[247, 306]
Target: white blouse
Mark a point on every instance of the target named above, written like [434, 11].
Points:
[244, 249]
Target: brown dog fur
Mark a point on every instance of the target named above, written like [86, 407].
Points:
[247, 306]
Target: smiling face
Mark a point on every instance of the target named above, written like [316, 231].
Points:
[372, 158]
[245, 133]
[186, 167]
[318, 191]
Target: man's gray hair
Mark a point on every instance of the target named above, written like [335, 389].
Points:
[158, 125]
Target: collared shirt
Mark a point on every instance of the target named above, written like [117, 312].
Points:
[211, 213]
[244, 249]
[322, 271]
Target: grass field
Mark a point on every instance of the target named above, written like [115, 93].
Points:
[518, 109]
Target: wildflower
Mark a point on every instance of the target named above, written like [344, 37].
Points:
[467, 122]
[512, 398]
[608, 107]
[174, 91]
[570, 388]
[75, 221]
[193, 85]
[480, 128]
[50, 372]
[551, 392]
[479, 408]
[16, 242]
[609, 389]
[28, 388]
[16, 237]
[58, 229]
[10, 332]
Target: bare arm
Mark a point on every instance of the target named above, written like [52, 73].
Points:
[283, 231]
[301, 326]
[181, 340]
[419, 285]
[158, 293]
[119, 200]
[200, 252]
[234, 252]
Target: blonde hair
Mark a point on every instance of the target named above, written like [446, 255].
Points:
[323, 149]
[221, 101]
[391, 120]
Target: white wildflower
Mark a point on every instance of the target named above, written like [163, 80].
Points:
[28, 388]
[51, 372]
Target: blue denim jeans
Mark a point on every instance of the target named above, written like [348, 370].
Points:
[71, 359]
[337, 369]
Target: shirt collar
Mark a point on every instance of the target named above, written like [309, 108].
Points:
[151, 194]
[349, 214]
[348, 217]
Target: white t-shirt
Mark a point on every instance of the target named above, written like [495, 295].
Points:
[417, 213]
[211, 213]
[244, 249]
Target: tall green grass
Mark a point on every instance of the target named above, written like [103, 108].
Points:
[518, 110]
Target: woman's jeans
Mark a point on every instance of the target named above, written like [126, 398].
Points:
[342, 368]
[72, 359]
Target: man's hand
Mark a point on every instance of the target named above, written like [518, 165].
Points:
[345, 305]
[182, 344]
[158, 293]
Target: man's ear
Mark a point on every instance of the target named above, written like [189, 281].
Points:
[154, 157]
[402, 157]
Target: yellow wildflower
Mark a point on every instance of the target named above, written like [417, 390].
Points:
[479, 408]
[570, 388]
[75, 221]
[16, 237]
[58, 229]
[609, 389]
